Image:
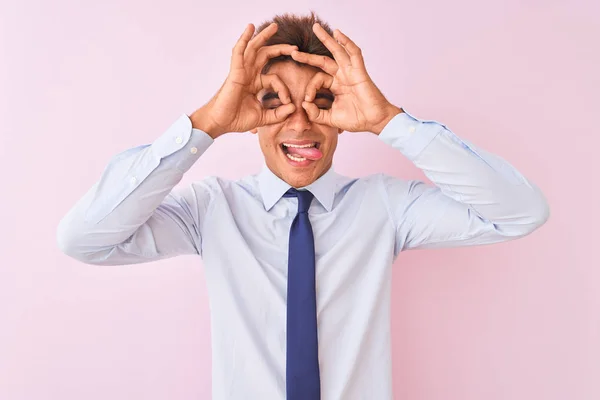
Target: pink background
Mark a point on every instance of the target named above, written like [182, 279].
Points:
[81, 81]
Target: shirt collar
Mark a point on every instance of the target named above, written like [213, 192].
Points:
[272, 188]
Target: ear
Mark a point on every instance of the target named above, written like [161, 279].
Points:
[254, 130]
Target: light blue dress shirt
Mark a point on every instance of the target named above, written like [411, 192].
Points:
[240, 228]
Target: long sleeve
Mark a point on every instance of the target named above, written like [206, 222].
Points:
[133, 214]
[478, 197]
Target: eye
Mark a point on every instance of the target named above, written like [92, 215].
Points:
[271, 106]
[324, 106]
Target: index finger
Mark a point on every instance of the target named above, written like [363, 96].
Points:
[267, 52]
[320, 80]
[324, 62]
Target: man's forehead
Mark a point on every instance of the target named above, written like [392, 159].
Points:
[293, 68]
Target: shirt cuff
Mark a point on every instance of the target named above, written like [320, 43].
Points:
[409, 134]
[181, 145]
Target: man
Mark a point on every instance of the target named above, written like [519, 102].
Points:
[298, 258]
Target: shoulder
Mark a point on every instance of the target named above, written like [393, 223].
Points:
[221, 185]
[380, 180]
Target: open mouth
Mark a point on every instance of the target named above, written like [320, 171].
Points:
[303, 156]
[286, 151]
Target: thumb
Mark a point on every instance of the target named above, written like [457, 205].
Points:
[278, 114]
[315, 114]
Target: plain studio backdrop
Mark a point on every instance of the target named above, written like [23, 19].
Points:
[81, 81]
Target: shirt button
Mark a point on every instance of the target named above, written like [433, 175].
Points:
[412, 129]
[178, 140]
[133, 180]
[193, 150]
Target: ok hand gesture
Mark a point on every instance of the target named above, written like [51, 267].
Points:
[235, 107]
[359, 105]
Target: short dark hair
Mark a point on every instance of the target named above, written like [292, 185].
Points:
[295, 30]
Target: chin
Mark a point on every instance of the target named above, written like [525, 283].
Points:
[301, 183]
[297, 178]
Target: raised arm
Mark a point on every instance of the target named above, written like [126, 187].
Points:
[478, 197]
[133, 214]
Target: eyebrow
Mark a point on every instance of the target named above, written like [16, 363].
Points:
[319, 95]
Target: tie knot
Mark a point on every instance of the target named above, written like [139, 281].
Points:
[304, 198]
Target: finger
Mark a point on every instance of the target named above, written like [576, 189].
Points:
[315, 114]
[257, 42]
[268, 52]
[339, 53]
[276, 115]
[274, 82]
[325, 63]
[318, 81]
[237, 59]
[353, 50]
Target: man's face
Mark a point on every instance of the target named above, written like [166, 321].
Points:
[296, 127]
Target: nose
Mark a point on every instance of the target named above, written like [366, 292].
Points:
[298, 120]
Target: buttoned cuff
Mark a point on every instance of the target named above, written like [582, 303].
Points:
[181, 145]
[409, 134]
[175, 150]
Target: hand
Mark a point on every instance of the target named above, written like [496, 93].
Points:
[359, 106]
[235, 108]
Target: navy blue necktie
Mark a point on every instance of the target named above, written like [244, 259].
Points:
[302, 358]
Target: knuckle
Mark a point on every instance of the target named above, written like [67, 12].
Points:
[274, 79]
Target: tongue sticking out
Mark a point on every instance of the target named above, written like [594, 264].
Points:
[312, 153]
